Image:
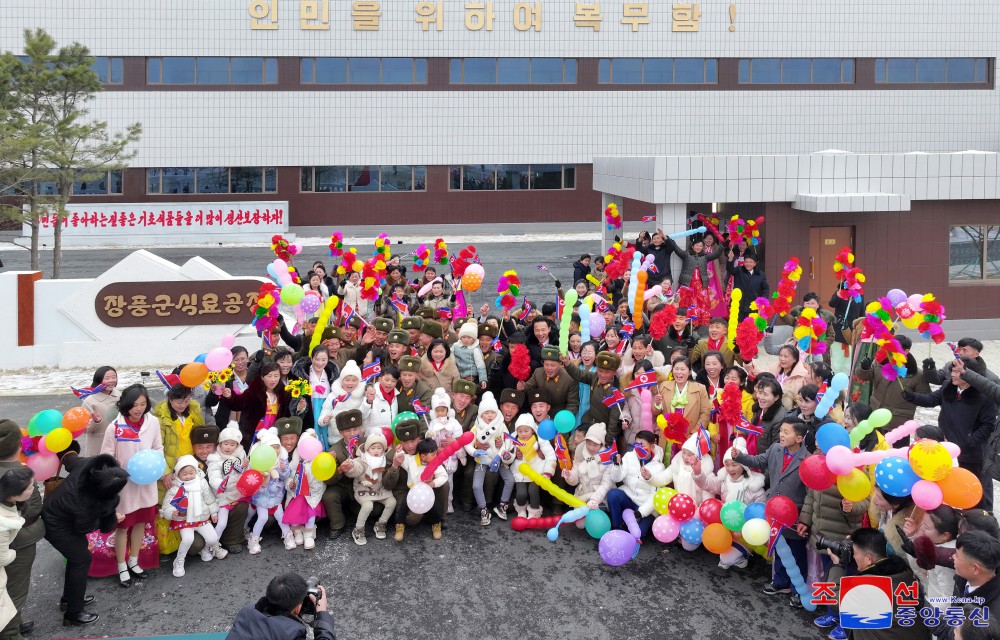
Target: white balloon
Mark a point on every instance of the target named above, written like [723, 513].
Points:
[420, 498]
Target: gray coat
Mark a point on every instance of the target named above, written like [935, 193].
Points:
[690, 262]
[783, 483]
[939, 376]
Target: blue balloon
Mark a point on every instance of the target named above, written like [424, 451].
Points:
[794, 574]
[546, 430]
[895, 476]
[692, 530]
[146, 466]
[754, 510]
[565, 421]
[272, 273]
[832, 434]
[201, 357]
[837, 385]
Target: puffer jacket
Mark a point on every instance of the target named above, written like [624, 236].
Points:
[637, 488]
[209, 507]
[749, 489]
[591, 478]
[223, 474]
[823, 514]
[770, 422]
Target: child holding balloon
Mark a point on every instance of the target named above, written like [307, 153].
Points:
[304, 499]
[267, 501]
[444, 429]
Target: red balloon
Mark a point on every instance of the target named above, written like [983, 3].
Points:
[708, 511]
[521, 524]
[250, 481]
[815, 474]
[682, 507]
[782, 510]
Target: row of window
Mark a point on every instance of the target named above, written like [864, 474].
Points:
[407, 71]
[108, 183]
[363, 178]
[511, 177]
[181, 180]
[974, 252]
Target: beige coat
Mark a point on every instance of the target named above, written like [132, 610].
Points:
[698, 408]
[107, 406]
[443, 378]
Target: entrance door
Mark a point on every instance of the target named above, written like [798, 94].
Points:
[824, 245]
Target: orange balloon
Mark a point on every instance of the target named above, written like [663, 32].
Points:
[193, 374]
[717, 538]
[76, 418]
[961, 489]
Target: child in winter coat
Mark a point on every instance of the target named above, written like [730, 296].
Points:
[733, 482]
[427, 451]
[304, 500]
[443, 429]
[540, 456]
[190, 507]
[492, 453]
[367, 469]
[681, 470]
[267, 501]
[381, 403]
[642, 473]
[346, 393]
[225, 467]
[468, 356]
[590, 475]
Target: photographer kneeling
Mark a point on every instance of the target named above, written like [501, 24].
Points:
[276, 616]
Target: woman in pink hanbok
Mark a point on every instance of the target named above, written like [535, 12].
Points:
[718, 292]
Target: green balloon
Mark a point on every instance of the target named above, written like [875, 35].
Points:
[732, 515]
[262, 458]
[406, 415]
[861, 430]
[43, 422]
[880, 417]
[597, 523]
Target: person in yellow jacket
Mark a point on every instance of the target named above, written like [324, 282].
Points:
[178, 415]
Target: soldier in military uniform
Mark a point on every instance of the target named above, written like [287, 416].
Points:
[429, 331]
[204, 441]
[551, 376]
[349, 333]
[340, 488]
[398, 345]
[491, 358]
[511, 402]
[602, 383]
[411, 324]
[410, 388]
[409, 432]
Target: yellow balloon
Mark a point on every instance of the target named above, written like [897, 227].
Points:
[912, 322]
[661, 500]
[324, 465]
[545, 483]
[737, 294]
[58, 439]
[855, 486]
[930, 460]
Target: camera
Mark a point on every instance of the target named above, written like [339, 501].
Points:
[312, 596]
[844, 549]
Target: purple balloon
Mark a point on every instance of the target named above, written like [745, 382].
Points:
[633, 527]
[310, 302]
[896, 296]
[617, 547]
[597, 325]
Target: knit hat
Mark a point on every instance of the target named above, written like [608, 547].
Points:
[10, 438]
[597, 432]
[351, 369]
[691, 444]
[231, 433]
[470, 329]
[488, 403]
[268, 437]
[185, 461]
[525, 420]
[440, 399]
[376, 438]
[349, 419]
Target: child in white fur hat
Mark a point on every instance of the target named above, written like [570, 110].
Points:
[224, 469]
[190, 507]
[346, 393]
[492, 453]
[368, 470]
[540, 456]
[267, 501]
[590, 475]
[468, 356]
[443, 429]
[681, 470]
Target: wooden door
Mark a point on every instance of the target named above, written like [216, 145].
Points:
[824, 245]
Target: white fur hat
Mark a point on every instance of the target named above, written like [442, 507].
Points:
[185, 461]
[525, 420]
[375, 438]
[231, 433]
[351, 369]
[739, 444]
[268, 437]
[691, 444]
[597, 432]
[488, 403]
[440, 399]
[470, 329]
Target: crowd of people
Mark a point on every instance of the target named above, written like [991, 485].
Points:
[387, 390]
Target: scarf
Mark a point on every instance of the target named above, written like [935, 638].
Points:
[716, 345]
[192, 491]
[376, 466]
[387, 397]
[437, 365]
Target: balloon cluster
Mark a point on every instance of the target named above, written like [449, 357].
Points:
[336, 244]
[809, 332]
[851, 278]
[284, 250]
[421, 257]
[383, 247]
[219, 358]
[637, 286]
[440, 251]
[349, 262]
[462, 261]
[508, 289]
[473, 276]
[784, 296]
[48, 433]
[613, 252]
[749, 230]
[612, 217]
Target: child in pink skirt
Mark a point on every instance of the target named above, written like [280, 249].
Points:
[304, 498]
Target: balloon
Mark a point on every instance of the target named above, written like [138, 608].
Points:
[895, 477]
[930, 460]
[782, 510]
[896, 297]
[250, 481]
[717, 538]
[905, 430]
[692, 531]
[661, 500]
[58, 439]
[323, 320]
[815, 474]
[831, 435]
[263, 458]
[472, 279]
[324, 465]
[708, 511]
[44, 466]
[194, 374]
[961, 489]
[43, 422]
[570, 516]
[76, 418]
[546, 430]
[731, 515]
[43, 448]
[837, 385]
[754, 510]
[633, 527]
[794, 573]
[860, 431]
[597, 325]
[311, 302]
[617, 547]
[309, 448]
[548, 485]
[146, 466]
[218, 359]
[445, 454]
[597, 523]
[520, 524]
[840, 460]
[200, 357]
[855, 486]
[291, 294]
[404, 415]
[228, 341]
[756, 531]
[880, 417]
[927, 495]
[565, 421]
[420, 498]
[682, 507]
[666, 529]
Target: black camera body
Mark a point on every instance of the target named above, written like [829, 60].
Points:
[844, 549]
[312, 596]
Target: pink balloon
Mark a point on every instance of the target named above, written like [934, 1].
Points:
[44, 466]
[908, 428]
[597, 325]
[218, 359]
[309, 448]
[927, 495]
[915, 300]
[840, 460]
[228, 341]
[655, 291]
[952, 448]
[43, 449]
[666, 529]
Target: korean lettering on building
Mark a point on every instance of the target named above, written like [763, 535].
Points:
[366, 15]
[164, 218]
[180, 303]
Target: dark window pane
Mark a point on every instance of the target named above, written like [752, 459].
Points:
[570, 71]
[880, 70]
[961, 70]
[546, 176]
[115, 182]
[992, 253]
[397, 178]
[795, 71]
[47, 188]
[744, 72]
[658, 71]
[689, 70]
[94, 185]
[512, 177]
[848, 71]
[246, 180]
[397, 70]
[153, 180]
[362, 178]
[154, 73]
[711, 70]
[478, 177]
[604, 71]
[216, 71]
[930, 70]
[546, 71]
[420, 178]
[270, 179]
[480, 71]
[308, 73]
[569, 177]
[212, 180]
[246, 71]
[626, 70]
[331, 70]
[455, 71]
[420, 72]
[363, 70]
[455, 178]
[965, 245]
[765, 70]
[826, 70]
[513, 71]
[330, 179]
[306, 179]
[178, 181]
[901, 70]
[102, 68]
[980, 70]
[270, 71]
[117, 70]
[178, 70]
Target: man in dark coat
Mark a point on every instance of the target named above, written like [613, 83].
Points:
[977, 560]
[23, 544]
[581, 268]
[563, 391]
[748, 279]
[276, 615]
[661, 258]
